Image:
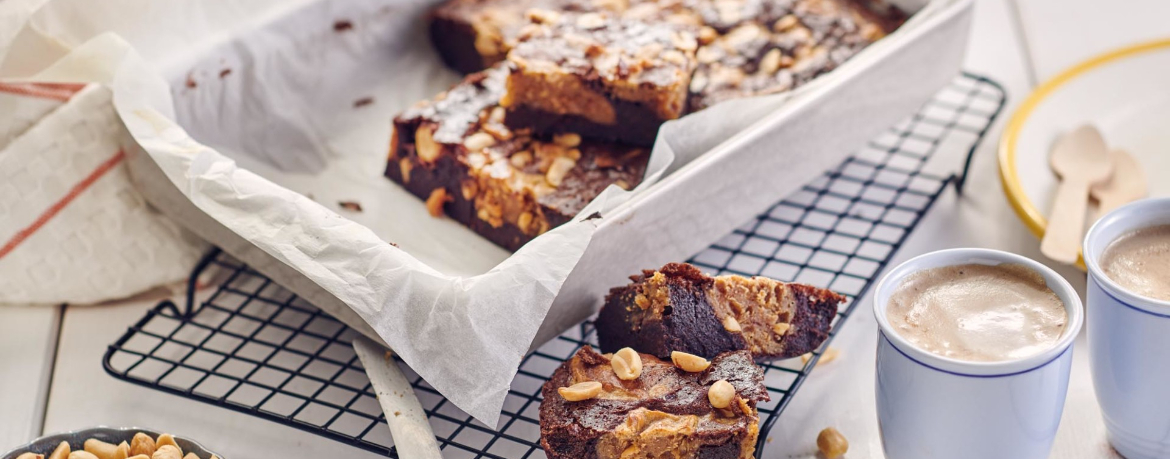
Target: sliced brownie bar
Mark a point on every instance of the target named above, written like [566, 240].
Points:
[678, 308]
[772, 46]
[600, 76]
[455, 152]
[663, 412]
[472, 35]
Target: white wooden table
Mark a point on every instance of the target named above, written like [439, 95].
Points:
[51, 378]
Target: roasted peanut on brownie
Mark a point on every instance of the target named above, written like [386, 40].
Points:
[664, 412]
[507, 185]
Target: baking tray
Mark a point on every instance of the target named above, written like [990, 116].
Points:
[254, 347]
[698, 201]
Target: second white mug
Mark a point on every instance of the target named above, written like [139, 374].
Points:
[1129, 342]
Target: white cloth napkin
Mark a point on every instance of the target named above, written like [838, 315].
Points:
[73, 229]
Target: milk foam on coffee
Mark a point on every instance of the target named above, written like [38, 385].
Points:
[1140, 262]
[977, 312]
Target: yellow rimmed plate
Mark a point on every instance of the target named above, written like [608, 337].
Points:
[1124, 92]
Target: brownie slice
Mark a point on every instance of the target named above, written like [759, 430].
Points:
[664, 412]
[772, 46]
[598, 75]
[472, 35]
[678, 308]
[455, 152]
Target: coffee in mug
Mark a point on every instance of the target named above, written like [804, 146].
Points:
[1139, 261]
[978, 313]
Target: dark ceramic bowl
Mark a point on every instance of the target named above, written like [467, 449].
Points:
[76, 439]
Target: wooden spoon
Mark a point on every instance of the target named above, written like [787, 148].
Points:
[1081, 160]
[1127, 184]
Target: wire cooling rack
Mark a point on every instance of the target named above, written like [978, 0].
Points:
[256, 348]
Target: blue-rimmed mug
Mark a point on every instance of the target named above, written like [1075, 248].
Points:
[1129, 342]
[931, 407]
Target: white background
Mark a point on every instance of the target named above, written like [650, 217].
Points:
[51, 378]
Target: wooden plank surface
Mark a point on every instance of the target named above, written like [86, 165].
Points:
[1013, 42]
[28, 340]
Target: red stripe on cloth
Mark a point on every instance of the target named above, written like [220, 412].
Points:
[53, 210]
[56, 91]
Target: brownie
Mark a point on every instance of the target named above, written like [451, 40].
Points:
[507, 185]
[747, 47]
[664, 412]
[678, 308]
[472, 35]
[598, 75]
[772, 46]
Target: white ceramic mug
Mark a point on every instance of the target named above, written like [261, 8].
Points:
[1129, 342]
[932, 407]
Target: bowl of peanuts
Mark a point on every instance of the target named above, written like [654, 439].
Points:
[111, 443]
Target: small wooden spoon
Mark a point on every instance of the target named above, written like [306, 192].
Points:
[1127, 184]
[1081, 159]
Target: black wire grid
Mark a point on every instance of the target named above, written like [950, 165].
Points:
[256, 348]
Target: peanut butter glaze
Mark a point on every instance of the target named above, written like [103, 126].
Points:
[678, 308]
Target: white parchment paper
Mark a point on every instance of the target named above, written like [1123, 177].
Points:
[251, 110]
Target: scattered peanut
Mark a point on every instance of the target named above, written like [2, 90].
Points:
[82, 455]
[30, 456]
[542, 16]
[780, 329]
[721, 394]
[785, 23]
[707, 34]
[524, 221]
[478, 141]
[141, 444]
[521, 159]
[404, 167]
[167, 452]
[829, 355]
[627, 364]
[580, 391]
[61, 452]
[731, 325]
[436, 201]
[497, 115]
[831, 443]
[674, 57]
[425, 146]
[167, 439]
[590, 21]
[770, 63]
[567, 139]
[191, 456]
[139, 456]
[689, 362]
[559, 169]
[105, 450]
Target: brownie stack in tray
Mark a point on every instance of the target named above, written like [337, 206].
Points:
[568, 95]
